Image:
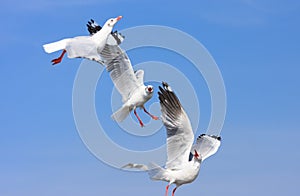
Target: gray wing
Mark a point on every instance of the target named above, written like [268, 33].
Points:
[180, 136]
[120, 69]
[115, 38]
[207, 145]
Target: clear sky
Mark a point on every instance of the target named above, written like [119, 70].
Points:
[255, 44]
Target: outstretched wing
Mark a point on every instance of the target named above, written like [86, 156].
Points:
[115, 38]
[207, 145]
[117, 62]
[180, 136]
[120, 69]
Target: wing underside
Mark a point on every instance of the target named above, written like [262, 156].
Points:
[180, 136]
[207, 145]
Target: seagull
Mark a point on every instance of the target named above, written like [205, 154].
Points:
[87, 47]
[183, 157]
[128, 82]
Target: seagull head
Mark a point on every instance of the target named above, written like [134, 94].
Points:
[112, 21]
[149, 89]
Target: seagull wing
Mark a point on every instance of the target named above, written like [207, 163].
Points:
[207, 145]
[180, 136]
[82, 47]
[93, 27]
[120, 69]
[140, 76]
[115, 38]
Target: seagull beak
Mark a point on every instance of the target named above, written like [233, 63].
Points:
[119, 18]
[196, 154]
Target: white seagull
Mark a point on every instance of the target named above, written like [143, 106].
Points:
[183, 158]
[87, 47]
[130, 84]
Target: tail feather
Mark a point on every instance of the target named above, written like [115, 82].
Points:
[56, 46]
[155, 172]
[121, 114]
[136, 166]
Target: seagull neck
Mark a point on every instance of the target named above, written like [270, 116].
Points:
[105, 31]
[196, 162]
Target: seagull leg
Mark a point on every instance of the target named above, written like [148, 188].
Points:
[173, 192]
[167, 188]
[152, 116]
[140, 121]
[58, 60]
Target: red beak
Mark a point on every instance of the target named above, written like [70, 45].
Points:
[119, 18]
[196, 154]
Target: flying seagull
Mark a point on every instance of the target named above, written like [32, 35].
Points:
[183, 158]
[87, 47]
[130, 84]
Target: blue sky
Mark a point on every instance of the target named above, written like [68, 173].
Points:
[256, 46]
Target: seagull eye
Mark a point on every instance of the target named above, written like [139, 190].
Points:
[111, 20]
[150, 89]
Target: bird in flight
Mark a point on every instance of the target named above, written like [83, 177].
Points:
[87, 47]
[183, 157]
[130, 84]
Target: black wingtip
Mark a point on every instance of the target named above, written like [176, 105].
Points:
[165, 85]
[161, 89]
[213, 136]
[216, 137]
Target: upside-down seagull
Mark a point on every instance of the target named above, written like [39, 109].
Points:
[130, 84]
[87, 47]
[183, 158]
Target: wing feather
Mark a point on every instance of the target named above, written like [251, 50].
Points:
[207, 145]
[139, 74]
[120, 69]
[180, 136]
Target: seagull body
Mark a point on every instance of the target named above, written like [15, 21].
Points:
[129, 84]
[183, 158]
[87, 47]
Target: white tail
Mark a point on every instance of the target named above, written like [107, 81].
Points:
[156, 172]
[56, 46]
[121, 114]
